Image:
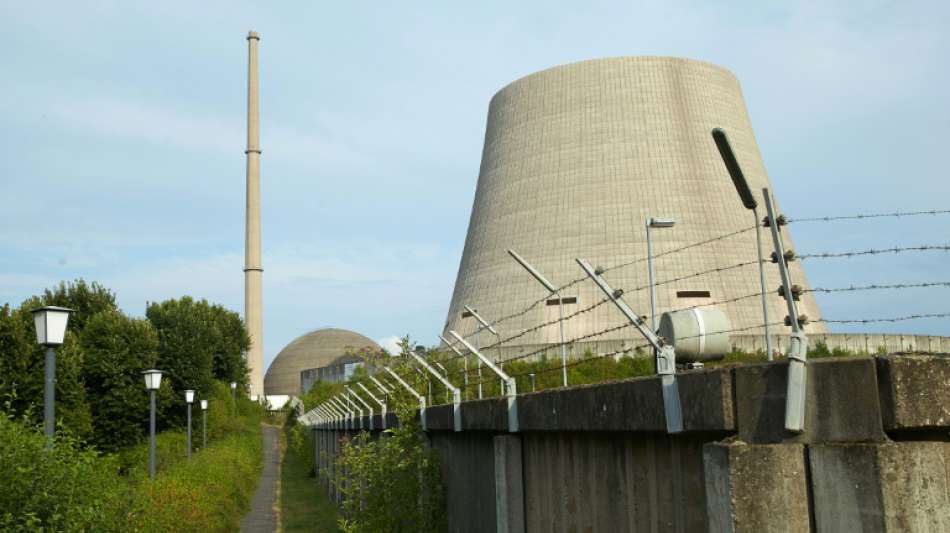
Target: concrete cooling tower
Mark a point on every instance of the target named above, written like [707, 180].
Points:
[576, 158]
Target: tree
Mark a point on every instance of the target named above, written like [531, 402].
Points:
[86, 299]
[22, 363]
[198, 343]
[116, 349]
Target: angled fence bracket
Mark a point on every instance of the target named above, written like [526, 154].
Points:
[456, 393]
[364, 403]
[797, 342]
[665, 355]
[511, 387]
[464, 365]
[382, 404]
[421, 398]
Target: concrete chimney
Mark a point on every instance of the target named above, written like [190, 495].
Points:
[253, 273]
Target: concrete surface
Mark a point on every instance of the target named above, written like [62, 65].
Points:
[841, 402]
[756, 488]
[262, 517]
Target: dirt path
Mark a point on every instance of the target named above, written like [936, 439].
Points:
[263, 517]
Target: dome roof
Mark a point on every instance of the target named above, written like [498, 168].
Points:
[312, 350]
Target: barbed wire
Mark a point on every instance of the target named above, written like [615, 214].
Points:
[680, 249]
[873, 320]
[896, 214]
[873, 251]
[548, 347]
[876, 286]
[573, 282]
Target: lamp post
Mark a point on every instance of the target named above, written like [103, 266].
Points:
[189, 398]
[749, 202]
[204, 424]
[654, 223]
[560, 306]
[153, 380]
[234, 391]
[50, 324]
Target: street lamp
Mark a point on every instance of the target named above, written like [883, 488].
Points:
[153, 380]
[654, 223]
[50, 329]
[189, 398]
[204, 424]
[560, 306]
[749, 202]
[233, 390]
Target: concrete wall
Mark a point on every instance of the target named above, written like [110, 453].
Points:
[874, 454]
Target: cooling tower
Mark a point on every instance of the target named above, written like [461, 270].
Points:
[576, 158]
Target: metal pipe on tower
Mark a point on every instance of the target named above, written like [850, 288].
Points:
[253, 272]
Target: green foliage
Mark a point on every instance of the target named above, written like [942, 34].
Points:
[22, 364]
[116, 349]
[86, 299]
[303, 504]
[391, 484]
[65, 488]
[198, 343]
[209, 493]
[319, 393]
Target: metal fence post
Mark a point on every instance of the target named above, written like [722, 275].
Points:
[797, 341]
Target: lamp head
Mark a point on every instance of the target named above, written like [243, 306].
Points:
[189, 396]
[50, 324]
[204, 405]
[153, 379]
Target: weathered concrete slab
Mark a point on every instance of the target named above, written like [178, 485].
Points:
[631, 405]
[468, 471]
[841, 402]
[756, 488]
[915, 392]
[509, 485]
[603, 481]
[890, 487]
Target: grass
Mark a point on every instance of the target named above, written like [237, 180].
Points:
[304, 505]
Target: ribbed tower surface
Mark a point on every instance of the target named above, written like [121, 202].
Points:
[576, 158]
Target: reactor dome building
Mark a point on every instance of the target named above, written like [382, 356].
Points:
[316, 349]
[576, 159]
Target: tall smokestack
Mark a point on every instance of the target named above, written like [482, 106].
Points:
[253, 273]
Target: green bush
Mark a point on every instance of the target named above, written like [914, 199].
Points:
[391, 484]
[212, 492]
[65, 488]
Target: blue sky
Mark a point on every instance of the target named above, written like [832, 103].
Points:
[121, 147]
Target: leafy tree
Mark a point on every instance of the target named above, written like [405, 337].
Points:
[86, 299]
[233, 343]
[198, 342]
[116, 349]
[22, 364]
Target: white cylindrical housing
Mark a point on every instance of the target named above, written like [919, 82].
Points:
[698, 334]
[189, 396]
[204, 405]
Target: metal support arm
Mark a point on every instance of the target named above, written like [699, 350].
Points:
[456, 393]
[797, 342]
[382, 404]
[421, 398]
[665, 354]
[511, 388]
[364, 403]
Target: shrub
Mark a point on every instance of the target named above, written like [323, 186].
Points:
[391, 484]
[209, 493]
[64, 488]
